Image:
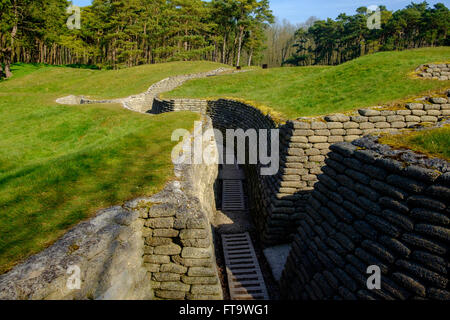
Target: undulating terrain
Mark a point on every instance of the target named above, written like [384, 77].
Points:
[367, 81]
[60, 164]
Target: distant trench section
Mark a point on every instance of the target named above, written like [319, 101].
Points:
[434, 71]
[143, 102]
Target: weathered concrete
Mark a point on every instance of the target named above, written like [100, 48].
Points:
[108, 251]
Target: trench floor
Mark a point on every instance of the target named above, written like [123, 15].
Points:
[228, 222]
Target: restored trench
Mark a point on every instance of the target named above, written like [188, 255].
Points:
[340, 206]
[343, 209]
[181, 230]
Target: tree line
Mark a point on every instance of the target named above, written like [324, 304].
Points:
[118, 33]
[124, 33]
[331, 42]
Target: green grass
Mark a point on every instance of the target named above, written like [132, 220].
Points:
[305, 91]
[99, 83]
[60, 164]
[434, 143]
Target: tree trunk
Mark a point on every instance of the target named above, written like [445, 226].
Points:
[8, 73]
[241, 35]
[185, 44]
[250, 56]
[10, 50]
[224, 50]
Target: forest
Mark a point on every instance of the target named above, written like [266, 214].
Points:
[118, 33]
[122, 33]
[332, 42]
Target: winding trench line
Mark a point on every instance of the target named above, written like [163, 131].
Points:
[143, 102]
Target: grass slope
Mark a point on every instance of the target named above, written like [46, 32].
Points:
[100, 83]
[59, 164]
[434, 143]
[305, 91]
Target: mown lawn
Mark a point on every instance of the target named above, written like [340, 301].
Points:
[60, 164]
[434, 143]
[304, 91]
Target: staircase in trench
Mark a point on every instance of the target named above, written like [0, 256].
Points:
[245, 279]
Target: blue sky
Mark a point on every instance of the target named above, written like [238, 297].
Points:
[299, 10]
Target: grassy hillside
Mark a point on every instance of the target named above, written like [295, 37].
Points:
[59, 164]
[99, 83]
[303, 91]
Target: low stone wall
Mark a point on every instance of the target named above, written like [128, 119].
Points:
[194, 105]
[277, 201]
[107, 251]
[373, 206]
[435, 71]
[179, 250]
[144, 102]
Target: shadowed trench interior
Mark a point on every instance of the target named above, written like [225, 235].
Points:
[234, 217]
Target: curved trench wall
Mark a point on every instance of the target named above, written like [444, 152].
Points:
[369, 208]
[277, 202]
[194, 105]
[271, 211]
